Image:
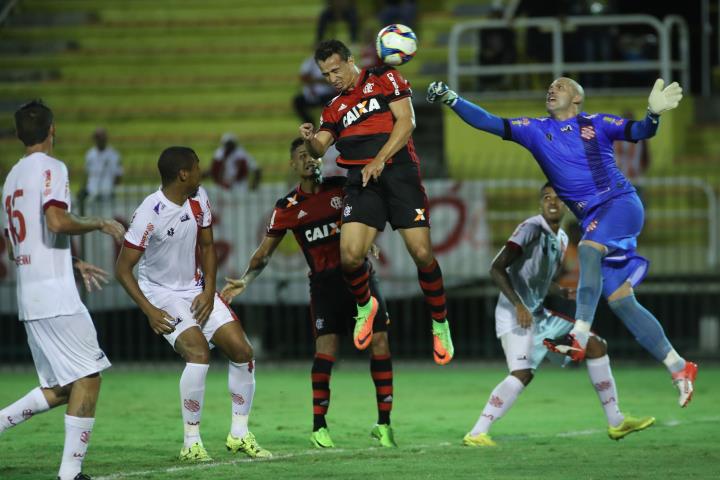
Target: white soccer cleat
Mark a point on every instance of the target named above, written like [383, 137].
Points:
[684, 381]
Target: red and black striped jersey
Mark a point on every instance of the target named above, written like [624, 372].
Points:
[314, 219]
[360, 119]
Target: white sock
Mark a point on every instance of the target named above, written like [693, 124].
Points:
[77, 437]
[241, 383]
[501, 399]
[581, 331]
[674, 362]
[32, 403]
[602, 379]
[192, 391]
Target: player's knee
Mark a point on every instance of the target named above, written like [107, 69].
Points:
[525, 376]
[596, 347]
[241, 353]
[196, 354]
[379, 344]
[351, 258]
[422, 255]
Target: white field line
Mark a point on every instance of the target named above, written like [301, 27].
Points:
[335, 451]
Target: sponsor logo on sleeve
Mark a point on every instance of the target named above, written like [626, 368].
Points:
[148, 230]
[615, 121]
[394, 82]
[48, 182]
[521, 122]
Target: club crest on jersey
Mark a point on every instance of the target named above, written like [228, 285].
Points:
[336, 203]
[368, 88]
[319, 233]
[587, 132]
[347, 211]
[362, 108]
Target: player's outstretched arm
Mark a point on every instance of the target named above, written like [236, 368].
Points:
[202, 305]
[498, 272]
[60, 220]
[472, 114]
[258, 262]
[160, 321]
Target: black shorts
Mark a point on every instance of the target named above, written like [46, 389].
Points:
[398, 197]
[333, 307]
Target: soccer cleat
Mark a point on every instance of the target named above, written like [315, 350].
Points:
[384, 434]
[628, 426]
[684, 381]
[248, 445]
[479, 440]
[363, 332]
[443, 349]
[321, 439]
[81, 476]
[566, 345]
[196, 453]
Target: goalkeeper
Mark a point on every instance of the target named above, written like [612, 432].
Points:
[575, 151]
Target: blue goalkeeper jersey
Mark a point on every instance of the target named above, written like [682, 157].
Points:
[576, 155]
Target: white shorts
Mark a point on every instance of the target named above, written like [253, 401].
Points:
[65, 348]
[524, 347]
[178, 306]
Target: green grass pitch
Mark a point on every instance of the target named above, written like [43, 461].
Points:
[556, 429]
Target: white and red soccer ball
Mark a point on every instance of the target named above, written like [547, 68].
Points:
[396, 44]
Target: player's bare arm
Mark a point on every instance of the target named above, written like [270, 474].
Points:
[160, 321]
[404, 115]
[316, 143]
[258, 262]
[202, 305]
[499, 275]
[60, 220]
[10, 253]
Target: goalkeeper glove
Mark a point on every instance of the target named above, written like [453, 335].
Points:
[440, 91]
[664, 99]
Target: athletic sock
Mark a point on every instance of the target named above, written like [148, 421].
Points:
[382, 375]
[431, 283]
[589, 290]
[77, 437]
[192, 391]
[501, 399]
[320, 375]
[647, 331]
[32, 403]
[241, 384]
[358, 282]
[602, 379]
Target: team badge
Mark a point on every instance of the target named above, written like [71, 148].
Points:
[587, 132]
[336, 203]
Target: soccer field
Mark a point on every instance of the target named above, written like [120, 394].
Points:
[556, 429]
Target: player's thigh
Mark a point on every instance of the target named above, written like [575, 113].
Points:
[616, 224]
[418, 244]
[355, 241]
[65, 348]
[224, 330]
[517, 345]
[364, 205]
[178, 307]
[405, 196]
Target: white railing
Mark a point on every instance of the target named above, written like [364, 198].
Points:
[664, 64]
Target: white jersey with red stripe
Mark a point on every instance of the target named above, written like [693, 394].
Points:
[167, 233]
[45, 281]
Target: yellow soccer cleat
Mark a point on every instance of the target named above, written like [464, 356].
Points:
[628, 426]
[248, 445]
[479, 440]
[195, 454]
[384, 434]
[321, 439]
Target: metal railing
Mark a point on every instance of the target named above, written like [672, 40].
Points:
[665, 64]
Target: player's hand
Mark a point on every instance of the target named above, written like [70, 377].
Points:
[375, 251]
[524, 317]
[440, 91]
[92, 276]
[113, 228]
[233, 288]
[202, 306]
[664, 99]
[372, 170]
[161, 322]
[307, 131]
[568, 293]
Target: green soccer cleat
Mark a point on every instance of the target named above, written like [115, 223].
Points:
[362, 335]
[384, 434]
[321, 439]
[195, 454]
[248, 445]
[628, 426]
[479, 440]
[443, 349]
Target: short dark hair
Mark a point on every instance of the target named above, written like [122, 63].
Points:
[295, 144]
[327, 48]
[32, 122]
[545, 185]
[174, 159]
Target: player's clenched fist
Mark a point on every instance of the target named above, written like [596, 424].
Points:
[307, 130]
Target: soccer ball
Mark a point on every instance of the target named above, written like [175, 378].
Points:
[396, 44]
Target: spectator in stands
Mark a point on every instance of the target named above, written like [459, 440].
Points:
[233, 167]
[316, 91]
[339, 10]
[398, 11]
[103, 168]
[497, 47]
[633, 159]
